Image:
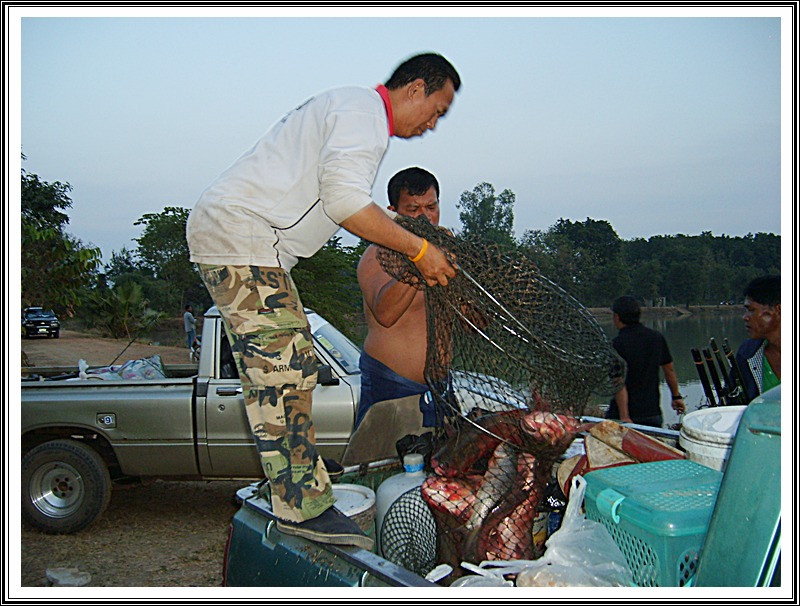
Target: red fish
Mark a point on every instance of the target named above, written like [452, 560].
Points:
[470, 443]
[495, 519]
[550, 428]
[508, 533]
[545, 433]
[498, 480]
[451, 496]
[638, 445]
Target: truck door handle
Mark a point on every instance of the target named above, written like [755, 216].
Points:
[229, 391]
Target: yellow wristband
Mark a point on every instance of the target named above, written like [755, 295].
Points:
[421, 252]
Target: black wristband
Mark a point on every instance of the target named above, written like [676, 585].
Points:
[678, 397]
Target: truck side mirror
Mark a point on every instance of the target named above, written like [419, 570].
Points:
[325, 375]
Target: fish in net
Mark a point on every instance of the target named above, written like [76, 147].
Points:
[512, 362]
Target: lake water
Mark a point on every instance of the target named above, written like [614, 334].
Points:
[683, 333]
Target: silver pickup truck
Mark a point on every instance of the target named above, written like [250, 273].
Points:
[80, 436]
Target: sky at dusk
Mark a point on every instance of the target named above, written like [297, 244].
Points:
[657, 121]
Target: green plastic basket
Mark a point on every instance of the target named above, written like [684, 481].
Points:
[658, 515]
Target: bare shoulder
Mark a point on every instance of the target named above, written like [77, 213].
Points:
[369, 257]
[368, 266]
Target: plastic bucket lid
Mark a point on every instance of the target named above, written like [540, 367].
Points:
[353, 499]
[713, 425]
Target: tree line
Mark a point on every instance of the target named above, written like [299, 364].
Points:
[139, 286]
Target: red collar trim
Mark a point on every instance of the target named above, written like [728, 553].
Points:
[384, 93]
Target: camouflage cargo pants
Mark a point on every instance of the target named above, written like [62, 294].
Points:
[271, 342]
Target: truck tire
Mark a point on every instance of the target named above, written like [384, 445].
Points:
[65, 486]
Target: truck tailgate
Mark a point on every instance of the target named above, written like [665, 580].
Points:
[260, 555]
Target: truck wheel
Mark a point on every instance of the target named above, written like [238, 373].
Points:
[65, 486]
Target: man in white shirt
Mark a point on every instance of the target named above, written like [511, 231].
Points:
[311, 173]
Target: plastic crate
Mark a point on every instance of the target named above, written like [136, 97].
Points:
[658, 515]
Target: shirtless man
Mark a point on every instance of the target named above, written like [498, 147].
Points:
[393, 357]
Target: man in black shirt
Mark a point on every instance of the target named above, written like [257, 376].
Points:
[645, 350]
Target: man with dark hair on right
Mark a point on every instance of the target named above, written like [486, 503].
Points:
[645, 351]
[759, 357]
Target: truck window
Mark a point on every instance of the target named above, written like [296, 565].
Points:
[339, 347]
[227, 365]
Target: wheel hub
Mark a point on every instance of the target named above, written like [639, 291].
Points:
[57, 491]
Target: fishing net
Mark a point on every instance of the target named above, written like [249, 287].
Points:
[512, 361]
[408, 534]
[503, 336]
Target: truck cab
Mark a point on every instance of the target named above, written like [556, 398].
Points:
[227, 438]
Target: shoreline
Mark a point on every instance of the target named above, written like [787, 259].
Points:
[675, 310]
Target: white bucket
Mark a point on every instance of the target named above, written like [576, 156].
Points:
[357, 503]
[707, 435]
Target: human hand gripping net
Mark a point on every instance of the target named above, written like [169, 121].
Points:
[512, 360]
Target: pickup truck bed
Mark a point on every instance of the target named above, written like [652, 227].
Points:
[334, 566]
[732, 555]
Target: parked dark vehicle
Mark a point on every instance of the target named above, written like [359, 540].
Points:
[39, 321]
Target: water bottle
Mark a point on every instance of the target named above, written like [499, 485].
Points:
[395, 486]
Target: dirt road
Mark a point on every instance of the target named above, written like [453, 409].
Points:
[72, 346]
[167, 534]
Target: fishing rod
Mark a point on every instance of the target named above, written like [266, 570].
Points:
[145, 325]
[739, 394]
[724, 366]
[701, 372]
[725, 371]
[712, 371]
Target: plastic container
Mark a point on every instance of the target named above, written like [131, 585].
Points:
[707, 435]
[743, 542]
[539, 531]
[658, 515]
[358, 504]
[395, 486]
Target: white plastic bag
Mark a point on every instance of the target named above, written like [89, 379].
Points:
[579, 554]
[483, 577]
[144, 368]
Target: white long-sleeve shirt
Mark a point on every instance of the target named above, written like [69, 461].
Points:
[286, 196]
